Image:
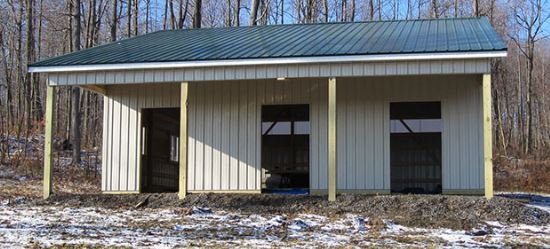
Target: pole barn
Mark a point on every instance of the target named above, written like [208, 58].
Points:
[365, 107]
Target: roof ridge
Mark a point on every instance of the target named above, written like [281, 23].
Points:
[320, 23]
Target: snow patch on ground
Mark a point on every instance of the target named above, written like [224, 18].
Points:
[540, 201]
[21, 226]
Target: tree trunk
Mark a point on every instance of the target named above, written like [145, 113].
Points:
[476, 8]
[129, 16]
[182, 13]
[114, 20]
[254, 12]
[237, 13]
[228, 19]
[165, 22]
[32, 80]
[344, 12]
[197, 17]
[172, 15]
[75, 94]
[147, 6]
[136, 17]
[435, 13]
[352, 11]
[282, 11]
[371, 10]
[326, 10]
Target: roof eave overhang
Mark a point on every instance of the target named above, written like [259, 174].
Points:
[270, 61]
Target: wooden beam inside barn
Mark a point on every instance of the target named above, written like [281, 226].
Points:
[96, 88]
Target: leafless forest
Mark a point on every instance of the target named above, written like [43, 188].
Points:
[32, 30]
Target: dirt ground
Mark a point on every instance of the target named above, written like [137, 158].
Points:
[427, 211]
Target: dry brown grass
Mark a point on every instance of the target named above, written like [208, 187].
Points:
[524, 175]
[26, 180]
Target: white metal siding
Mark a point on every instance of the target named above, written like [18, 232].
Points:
[122, 131]
[315, 70]
[224, 129]
[225, 135]
[363, 144]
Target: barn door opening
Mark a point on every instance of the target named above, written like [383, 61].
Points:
[285, 148]
[160, 149]
[415, 147]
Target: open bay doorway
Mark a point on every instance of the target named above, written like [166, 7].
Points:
[415, 147]
[160, 149]
[285, 149]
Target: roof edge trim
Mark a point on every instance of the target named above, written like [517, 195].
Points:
[269, 61]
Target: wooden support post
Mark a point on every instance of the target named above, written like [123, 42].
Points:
[183, 141]
[48, 142]
[487, 136]
[332, 139]
[95, 88]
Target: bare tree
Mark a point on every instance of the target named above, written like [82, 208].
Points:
[75, 95]
[182, 13]
[197, 16]
[254, 12]
[435, 10]
[114, 20]
[136, 17]
[529, 17]
[129, 18]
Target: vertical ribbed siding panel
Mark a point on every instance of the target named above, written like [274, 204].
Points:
[217, 135]
[234, 137]
[323, 133]
[342, 100]
[260, 93]
[242, 135]
[351, 136]
[191, 141]
[105, 143]
[253, 125]
[133, 153]
[314, 135]
[115, 166]
[360, 159]
[109, 174]
[138, 135]
[453, 138]
[226, 135]
[379, 136]
[124, 141]
[479, 124]
[370, 143]
[208, 143]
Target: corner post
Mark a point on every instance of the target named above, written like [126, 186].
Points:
[48, 144]
[183, 141]
[332, 139]
[487, 136]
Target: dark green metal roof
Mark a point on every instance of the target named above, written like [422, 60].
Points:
[297, 40]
